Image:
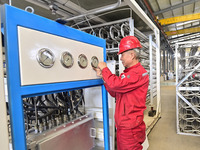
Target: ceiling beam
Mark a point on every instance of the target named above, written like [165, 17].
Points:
[175, 7]
[177, 19]
[183, 36]
[191, 39]
[187, 38]
[183, 31]
[183, 24]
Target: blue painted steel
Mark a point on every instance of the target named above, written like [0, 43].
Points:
[105, 118]
[105, 113]
[13, 17]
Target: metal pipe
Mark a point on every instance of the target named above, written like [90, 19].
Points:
[140, 34]
[98, 10]
[29, 8]
[103, 33]
[108, 46]
[106, 24]
[43, 5]
[94, 32]
[115, 34]
[10, 2]
[115, 44]
[125, 30]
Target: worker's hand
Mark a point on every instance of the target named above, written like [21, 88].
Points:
[102, 65]
[98, 71]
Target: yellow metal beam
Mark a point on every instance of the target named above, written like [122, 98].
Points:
[183, 31]
[179, 19]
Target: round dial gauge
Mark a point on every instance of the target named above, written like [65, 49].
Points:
[82, 61]
[46, 58]
[67, 60]
[94, 62]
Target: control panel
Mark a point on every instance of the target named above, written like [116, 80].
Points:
[47, 58]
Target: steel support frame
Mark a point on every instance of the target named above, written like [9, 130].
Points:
[16, 92]
[151, 69]
[179, 88]
[152, 46]
[138, 10]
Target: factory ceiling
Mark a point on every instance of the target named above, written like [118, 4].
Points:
[157, 10]
[179, 18]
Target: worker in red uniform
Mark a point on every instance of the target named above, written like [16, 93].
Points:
[130, 90]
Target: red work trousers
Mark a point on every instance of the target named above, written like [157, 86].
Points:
[130, 139]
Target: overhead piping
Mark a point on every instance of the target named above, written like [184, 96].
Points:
[95, 11]
[46, 6]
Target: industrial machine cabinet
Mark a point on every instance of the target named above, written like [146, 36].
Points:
[43, 59]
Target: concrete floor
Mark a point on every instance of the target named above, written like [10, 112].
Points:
[164, 136]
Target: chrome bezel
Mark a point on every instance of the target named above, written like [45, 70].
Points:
[39, 57]
[92, 59]
[79, 63]
[62, 59]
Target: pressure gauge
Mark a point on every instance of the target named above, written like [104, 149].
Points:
[94, 62]
[45, 58]
[82, 61]
[67, 60]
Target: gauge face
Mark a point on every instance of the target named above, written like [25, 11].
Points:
[45, 58]
[82, 61]
[94, 62]
[67, 60]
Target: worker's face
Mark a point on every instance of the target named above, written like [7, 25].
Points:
[127, 58]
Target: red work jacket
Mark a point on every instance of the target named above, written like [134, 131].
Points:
[130, 90]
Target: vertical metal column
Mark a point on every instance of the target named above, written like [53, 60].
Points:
[177, 116]
[167, 60]
[164, 61]
[4, 143]
[170, 61]
[131, 25]
[173, 62]
[160, 62]
[105, 113]
[157, 34]
[105, 118]
[151, 69]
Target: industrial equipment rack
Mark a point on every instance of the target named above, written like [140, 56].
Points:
[187, 113]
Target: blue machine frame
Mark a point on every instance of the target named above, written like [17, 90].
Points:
[11, 18]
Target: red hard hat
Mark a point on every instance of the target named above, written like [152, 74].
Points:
[128, 43]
